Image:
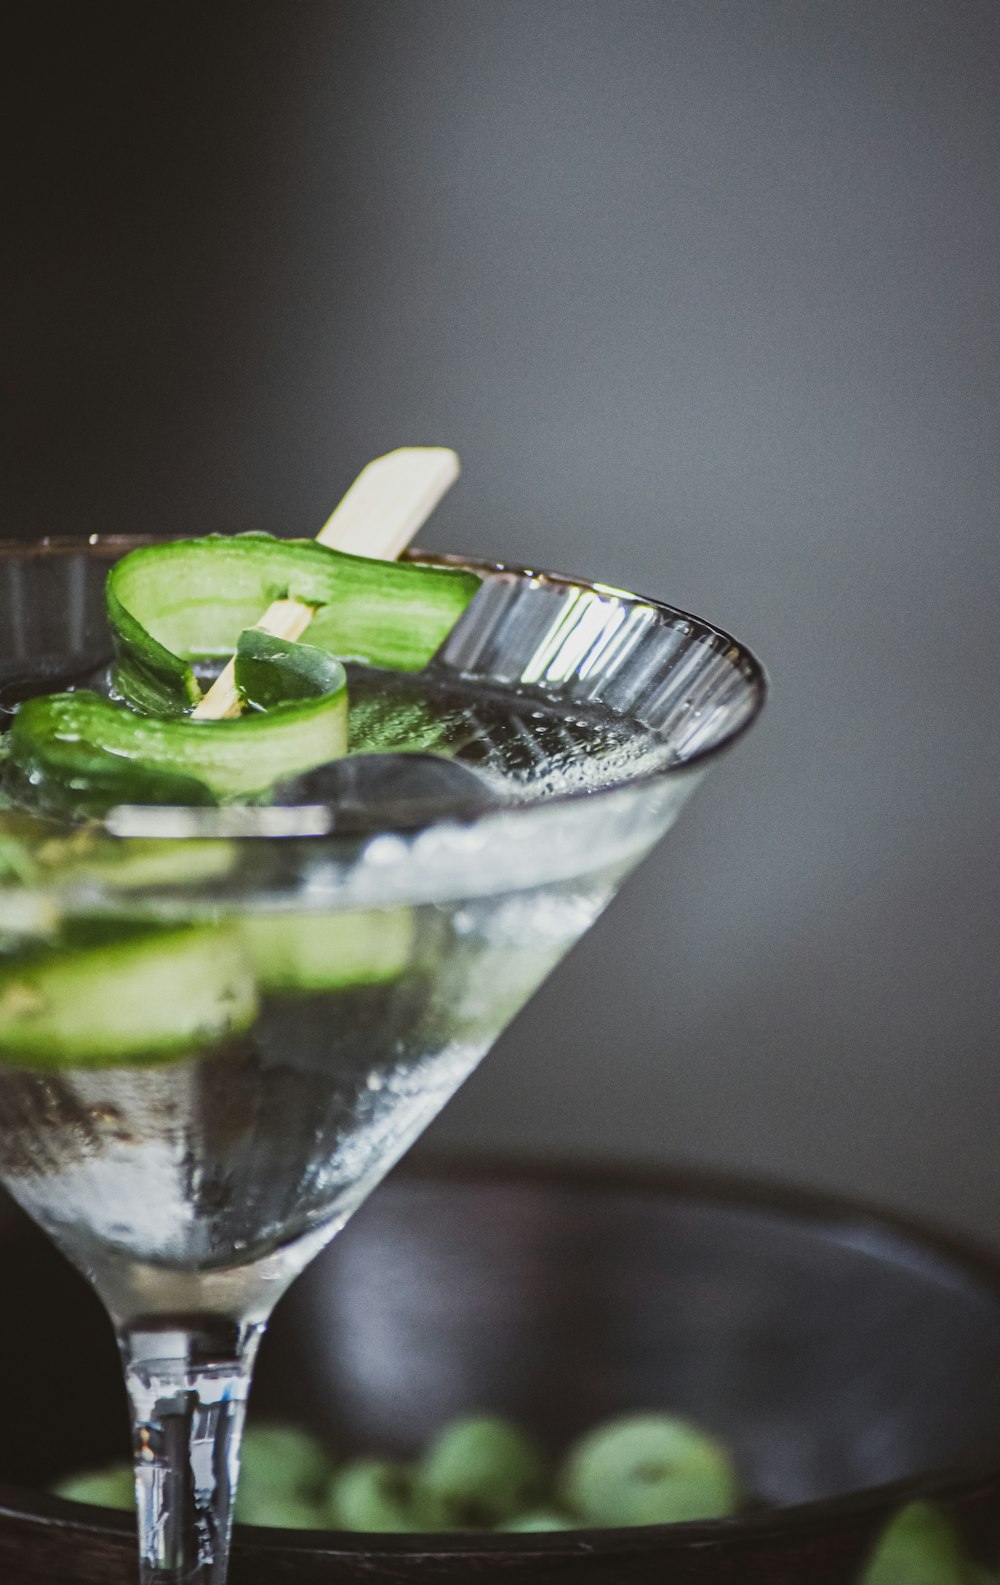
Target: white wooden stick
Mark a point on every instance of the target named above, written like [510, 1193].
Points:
[388, 502]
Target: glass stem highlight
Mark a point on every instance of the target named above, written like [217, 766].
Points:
[188, 1386]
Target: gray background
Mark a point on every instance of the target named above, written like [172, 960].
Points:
[706, 296]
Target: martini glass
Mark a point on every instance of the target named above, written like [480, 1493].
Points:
[219, 1028]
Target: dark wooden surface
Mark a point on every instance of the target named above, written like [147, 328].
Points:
[837, 1354]
[33, 1552]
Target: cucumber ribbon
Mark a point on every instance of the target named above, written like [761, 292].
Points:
[171, 604]
[164, 994]
[127, 983]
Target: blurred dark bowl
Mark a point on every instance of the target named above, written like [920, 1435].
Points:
[853, 1362]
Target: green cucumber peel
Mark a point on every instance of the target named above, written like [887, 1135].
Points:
[80, 753]
[273, 671]
[313, 952]
[169, 604]
[156, 996]
[38, 853]
[136, 864]
[58, 761]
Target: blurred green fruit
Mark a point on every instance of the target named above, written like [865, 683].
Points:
[383, 1496]
[538, 1522]
[921, 1546]
[284, 1513]
[648, 1469]
[484, 1470]
[278, 1464]
[110, 1487]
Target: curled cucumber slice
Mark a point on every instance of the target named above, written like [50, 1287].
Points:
[273, 671]
[80, 750]
[328, 952]
[89, 854]
[44, 867]
[149, 997]
[168, 604]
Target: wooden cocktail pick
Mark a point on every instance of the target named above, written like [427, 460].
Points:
[387, 503]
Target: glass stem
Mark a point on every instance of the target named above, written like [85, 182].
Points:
[188, 1383]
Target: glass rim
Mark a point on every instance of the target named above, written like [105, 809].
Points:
[318, 820]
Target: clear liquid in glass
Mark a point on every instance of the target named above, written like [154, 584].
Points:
[207, 1180]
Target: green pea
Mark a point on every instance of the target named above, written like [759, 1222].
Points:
[648, 1469]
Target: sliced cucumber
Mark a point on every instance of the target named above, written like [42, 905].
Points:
[327, 952]
[15, 860]
[34, 910]
[153, 996]
[170, 603]
[131, 863]
[44, 852]
[93, 753]
[26, 914]
[59, 771]
[272, 671]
